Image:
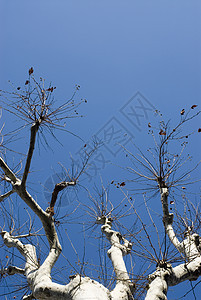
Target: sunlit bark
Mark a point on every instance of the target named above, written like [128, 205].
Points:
[39, 277]
[167, 276]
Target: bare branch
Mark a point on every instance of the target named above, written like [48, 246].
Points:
[6, 195]
[11, 176]
[34, 129]
[12, 270]
[28, 251]
[58, 188]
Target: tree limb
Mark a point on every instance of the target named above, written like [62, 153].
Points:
[168, 220]
[58, 188]
[40, 281]
[34, 129]
[46, 219]
[157, 287]
[8, 171]
[188, 246]
[6, 195]
[124, 287]
[168, 276]
[12, 270]
[28, 251]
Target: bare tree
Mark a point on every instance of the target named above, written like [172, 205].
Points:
[35, 106]
[165, 172]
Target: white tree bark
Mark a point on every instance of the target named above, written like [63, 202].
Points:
[83, 288]
[39, 277]
[165, 275]
[124, 287]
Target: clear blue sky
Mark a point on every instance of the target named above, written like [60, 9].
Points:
[148, 52]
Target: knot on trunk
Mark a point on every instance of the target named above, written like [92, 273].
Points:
[163, 270]
[168, 220]
[194, 276]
